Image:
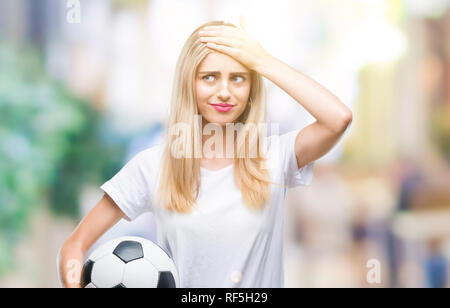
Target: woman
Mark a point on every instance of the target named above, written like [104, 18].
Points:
[219, 216]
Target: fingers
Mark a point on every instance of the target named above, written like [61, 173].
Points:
[222, 31]
[221, 48]
[219, 40]
[221, 36]
[223, 39]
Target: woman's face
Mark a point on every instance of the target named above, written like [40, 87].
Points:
[222, 87]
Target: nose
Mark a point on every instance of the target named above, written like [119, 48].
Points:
[223, 93]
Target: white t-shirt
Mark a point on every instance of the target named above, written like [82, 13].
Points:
[223, 243]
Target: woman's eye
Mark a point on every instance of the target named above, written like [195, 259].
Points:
[206, 78]
[209, 78]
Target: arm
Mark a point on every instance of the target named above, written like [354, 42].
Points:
[103, 216]
[332, 116]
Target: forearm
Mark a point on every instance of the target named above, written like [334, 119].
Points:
[103, 216]
[70, 263]
[323, 105]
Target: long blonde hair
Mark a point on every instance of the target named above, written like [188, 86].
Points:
[180, 177]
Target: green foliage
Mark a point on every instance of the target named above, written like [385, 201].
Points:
[51, 145]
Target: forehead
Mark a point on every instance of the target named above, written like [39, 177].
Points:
[220, 62]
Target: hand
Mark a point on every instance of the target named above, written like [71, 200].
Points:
[236, 43]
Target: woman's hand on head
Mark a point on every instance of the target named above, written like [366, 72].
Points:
[236, 43]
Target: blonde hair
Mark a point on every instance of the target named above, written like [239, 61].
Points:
[180, 177]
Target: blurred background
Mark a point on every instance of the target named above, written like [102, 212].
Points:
[85, 85]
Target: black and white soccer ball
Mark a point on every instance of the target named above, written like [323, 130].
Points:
[129, 262]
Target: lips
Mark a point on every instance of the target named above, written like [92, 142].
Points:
[222, 107]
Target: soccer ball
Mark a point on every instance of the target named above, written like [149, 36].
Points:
[129, 262]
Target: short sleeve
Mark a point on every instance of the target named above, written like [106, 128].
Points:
[292, 174]
[129, 188]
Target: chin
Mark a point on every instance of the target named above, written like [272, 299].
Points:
[220, 120]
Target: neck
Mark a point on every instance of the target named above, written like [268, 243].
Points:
[211, 143]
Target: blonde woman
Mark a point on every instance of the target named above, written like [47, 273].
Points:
[219, 210]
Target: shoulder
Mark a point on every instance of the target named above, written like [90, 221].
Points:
[279, 149]
[151, 153]
[146, 163]
[148, 159]
[281, 141]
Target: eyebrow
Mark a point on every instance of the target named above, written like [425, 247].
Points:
[218, 73]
